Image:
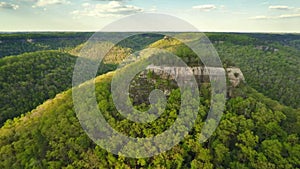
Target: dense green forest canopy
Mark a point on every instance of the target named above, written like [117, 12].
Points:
[179, 49]
[29, 79]
[255, 131]
[270, 68]
[292, 40]
[251, 134]
[18, 43]
[140, 41]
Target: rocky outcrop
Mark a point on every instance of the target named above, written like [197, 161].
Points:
[141, 86]
[234, 74]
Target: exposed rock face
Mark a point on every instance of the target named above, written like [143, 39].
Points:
[235, 75]
[142, 86]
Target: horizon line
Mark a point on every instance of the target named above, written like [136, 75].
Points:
[45, 31]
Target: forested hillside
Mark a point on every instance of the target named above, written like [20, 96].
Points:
[115, 55]
[260, 127]
[291, 40]
[179, 49]
[140, 41]
[251, 134]
[18, 43]
[268, 66]
[29, 79]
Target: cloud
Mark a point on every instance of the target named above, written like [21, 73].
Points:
[260, 17]
[43, 3]
[205, 7]
[286, 16]
[290, 16]
[280, 7]
[111, 9]
[6, 5]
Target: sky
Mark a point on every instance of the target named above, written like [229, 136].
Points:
[205, 15]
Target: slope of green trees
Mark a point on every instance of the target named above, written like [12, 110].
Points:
[249, 135]
[179, 49]
[115, 55]
[271, 69]
[140, 41]
[29, 79]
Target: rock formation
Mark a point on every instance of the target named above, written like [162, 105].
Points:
[234, 74]
[142, 86]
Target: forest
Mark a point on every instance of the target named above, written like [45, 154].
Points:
[29, 79]
[18, 43]
[259, 129]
